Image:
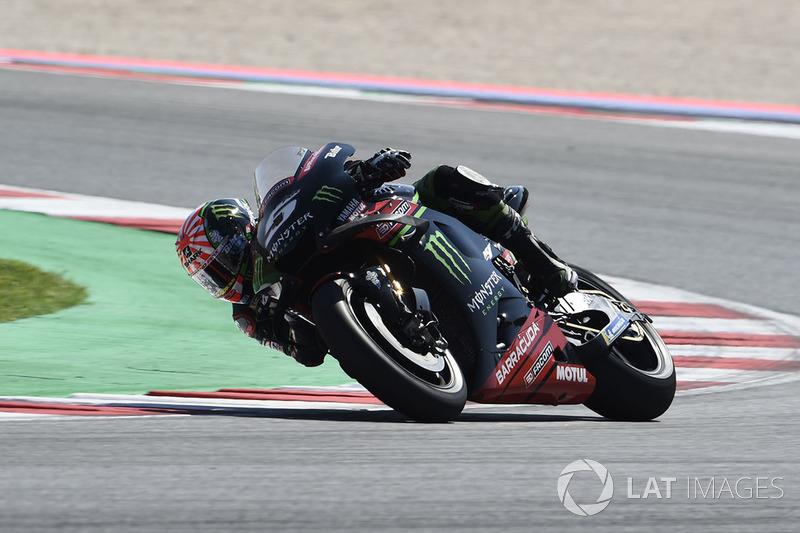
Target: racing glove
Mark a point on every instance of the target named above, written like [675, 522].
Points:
[301, 342]
[281, 329]
[387, 165]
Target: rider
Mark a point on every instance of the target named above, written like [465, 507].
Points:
[214, 246]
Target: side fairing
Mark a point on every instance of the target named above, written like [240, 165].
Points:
[461, 261]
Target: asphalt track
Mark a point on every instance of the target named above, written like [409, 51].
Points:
[714, 213]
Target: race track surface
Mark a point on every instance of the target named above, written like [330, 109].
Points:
[713, 213]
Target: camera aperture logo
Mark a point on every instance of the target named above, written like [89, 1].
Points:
[585, 509]
[587, 478]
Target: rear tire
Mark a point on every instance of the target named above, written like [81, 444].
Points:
[636, 380]
[426, 387]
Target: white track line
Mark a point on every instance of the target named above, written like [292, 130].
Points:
[59, 204]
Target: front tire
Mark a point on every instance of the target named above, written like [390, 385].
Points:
[636, 380]
[426, 387]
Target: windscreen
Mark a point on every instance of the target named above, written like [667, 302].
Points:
[279, 165]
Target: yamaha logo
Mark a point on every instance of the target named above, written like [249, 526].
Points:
[585, 509]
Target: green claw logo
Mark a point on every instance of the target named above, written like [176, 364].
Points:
[264, 274]
[328, 194]
[220, 211]
[444, 252]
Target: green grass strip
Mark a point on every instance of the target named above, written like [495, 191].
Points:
[27, 291]
[144, 324]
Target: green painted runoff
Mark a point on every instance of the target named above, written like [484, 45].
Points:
[144, 326]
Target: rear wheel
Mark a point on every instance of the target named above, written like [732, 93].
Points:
[636, 380]
[425, 386]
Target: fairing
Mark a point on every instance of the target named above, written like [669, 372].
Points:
[309, 206]
[300, 192]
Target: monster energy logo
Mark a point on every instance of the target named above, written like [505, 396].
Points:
[264, 274]
[224, 210]
[328, 194]
[446, 254]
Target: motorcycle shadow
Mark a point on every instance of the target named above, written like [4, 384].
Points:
[389, 416]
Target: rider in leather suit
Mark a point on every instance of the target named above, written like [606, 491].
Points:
[214, 246]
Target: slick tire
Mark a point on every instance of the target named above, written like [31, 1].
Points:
[636, 381]
[424, 387]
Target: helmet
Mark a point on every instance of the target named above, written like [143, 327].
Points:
[213, 245]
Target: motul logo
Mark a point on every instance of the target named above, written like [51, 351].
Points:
[571, 373]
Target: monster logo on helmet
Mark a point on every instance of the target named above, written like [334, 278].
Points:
[213, 246]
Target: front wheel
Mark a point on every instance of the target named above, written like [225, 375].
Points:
[636, 379]
[428, 387]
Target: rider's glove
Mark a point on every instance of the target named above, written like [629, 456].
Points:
[300, 341]
[268, 320]
[387, 165]
[297, 339]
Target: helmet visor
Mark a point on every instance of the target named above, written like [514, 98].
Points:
[220, 272]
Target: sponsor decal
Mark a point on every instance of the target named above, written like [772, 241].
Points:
[215, 237]
[614, 329]
[309, 164]
[509, 257]
[373, 278]
[226, 210]
[277, 187]
[518, 352]
[491, 303]
[333, 151]
[486, 294]
[326, 193]
[487, 252]
[229, 244]
[350, 209]
[287, 236]
[576, 374]
[190, 256]
[384, 228]
[264, 277]
[447, 254]
[358, 212]
[402, 208]
[538, 365]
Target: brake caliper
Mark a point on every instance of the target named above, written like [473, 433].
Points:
[409, 312]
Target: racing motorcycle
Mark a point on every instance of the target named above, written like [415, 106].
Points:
[427, 314]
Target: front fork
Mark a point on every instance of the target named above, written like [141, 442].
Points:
[405, 311]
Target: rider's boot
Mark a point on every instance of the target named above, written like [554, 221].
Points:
[548, 272]
[480, 204]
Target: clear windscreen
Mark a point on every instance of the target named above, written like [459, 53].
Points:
[278, 165]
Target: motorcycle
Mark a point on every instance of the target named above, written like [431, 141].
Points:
[426, 314]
